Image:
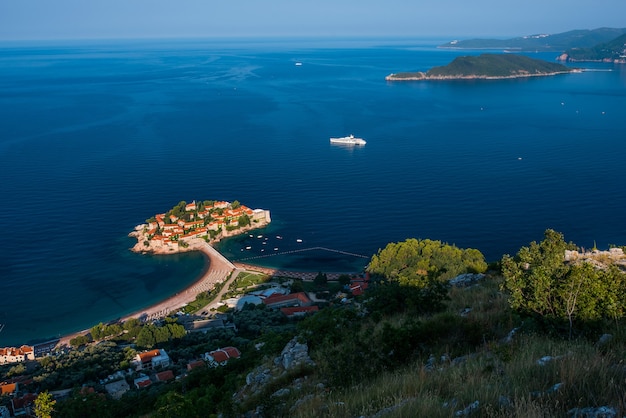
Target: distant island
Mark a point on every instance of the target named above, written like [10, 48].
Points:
[486, 66]
[559, 42]
[204, 221]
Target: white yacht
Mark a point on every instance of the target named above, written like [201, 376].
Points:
[349, 140]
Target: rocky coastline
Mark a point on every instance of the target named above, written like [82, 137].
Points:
[421, 76]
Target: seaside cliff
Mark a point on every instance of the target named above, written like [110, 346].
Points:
[188, 224]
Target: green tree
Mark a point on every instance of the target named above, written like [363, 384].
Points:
[343, 279]
[80, 341]
[540, 282]
[413, 262]
[172, 405]
[244, 220]
[44, 405]
[320, 280]
[146, 338]
[296, 286]
[532, 276]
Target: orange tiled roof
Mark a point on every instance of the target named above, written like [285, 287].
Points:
[232, 352]
[219, 355]
[148, 355]
[166, 375]
[300, 297]
[8, 388]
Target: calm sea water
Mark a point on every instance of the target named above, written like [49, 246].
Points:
[95, 138]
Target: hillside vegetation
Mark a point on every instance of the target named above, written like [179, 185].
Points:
[613, 51]
[438, 333]
[542, 42]
[487, 66]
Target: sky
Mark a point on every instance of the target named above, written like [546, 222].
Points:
[109, 19]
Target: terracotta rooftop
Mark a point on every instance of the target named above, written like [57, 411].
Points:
[294, 310]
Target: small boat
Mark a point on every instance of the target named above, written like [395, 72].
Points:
[248, 248]
[348, 140]
[279, 237]
[298, 64]
[298, 240]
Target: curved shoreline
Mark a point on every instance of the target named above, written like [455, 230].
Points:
[218, 270]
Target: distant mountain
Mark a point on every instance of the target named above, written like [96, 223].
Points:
[613, 51]
[486, 66]
[543, 42]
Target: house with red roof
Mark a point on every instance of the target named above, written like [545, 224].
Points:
[151, 359]
[195, 364]
[190, 206]
[358, 285]
[164, 376]
[299, 310]
[276, 301]
[8, 388]
[16, 355]
[142, 382]
[22, 406]
[221, 356]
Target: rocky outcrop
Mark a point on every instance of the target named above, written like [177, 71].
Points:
[294, 355]
[465, 280]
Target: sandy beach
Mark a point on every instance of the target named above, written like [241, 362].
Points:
[219, 268]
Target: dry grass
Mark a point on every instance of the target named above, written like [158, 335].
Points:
[505, 379]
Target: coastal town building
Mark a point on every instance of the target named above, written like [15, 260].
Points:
[164, 376]
[152, 359]
[117, 389]
[10, 355]
[8, 388]
[277, 301]
[195, 364]
[221, 356]
[199, 220]
[295, 311]
[142, 381]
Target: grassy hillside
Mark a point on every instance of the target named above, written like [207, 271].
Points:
[414, 344]
[496, 377]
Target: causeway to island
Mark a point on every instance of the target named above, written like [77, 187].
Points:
[195, 226]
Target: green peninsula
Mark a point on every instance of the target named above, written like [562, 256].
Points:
[486, 66]
[612, 51]
[580, 38]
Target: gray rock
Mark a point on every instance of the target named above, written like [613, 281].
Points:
[605, 339]
[430, 363]
[591, 412]
[509, 338]
[464, 280]
[470, 409]
[281, 392]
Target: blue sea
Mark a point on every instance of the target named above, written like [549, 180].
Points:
[95, 137]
